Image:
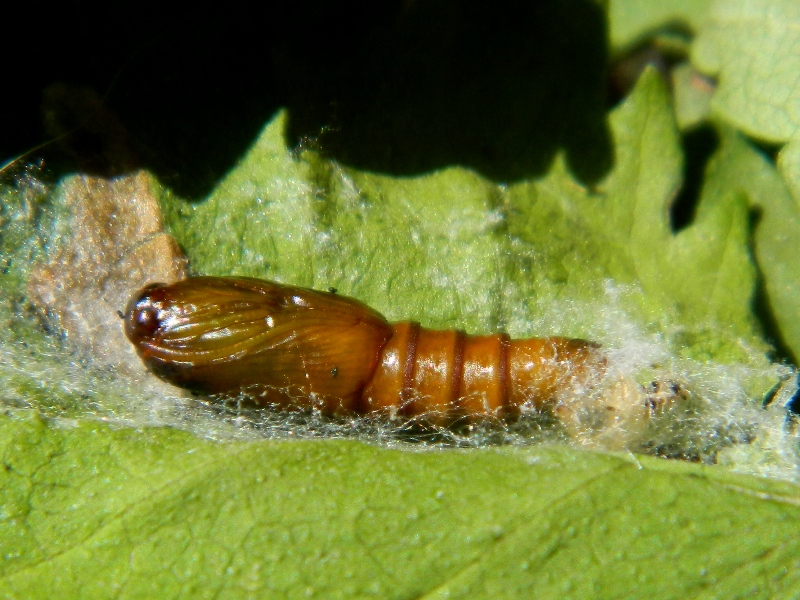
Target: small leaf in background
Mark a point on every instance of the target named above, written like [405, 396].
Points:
[737, 166]
[751, 46]
[631, 20]
[789, 166]
[692, 95]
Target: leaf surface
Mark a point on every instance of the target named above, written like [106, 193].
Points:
[753, 48]
[94, 512]
[630, 20]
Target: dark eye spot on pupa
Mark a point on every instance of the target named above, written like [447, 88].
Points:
[332, 290]
[142, 318]
[334, 371]
[145, 320]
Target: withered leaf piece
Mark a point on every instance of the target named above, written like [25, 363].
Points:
[112, 244]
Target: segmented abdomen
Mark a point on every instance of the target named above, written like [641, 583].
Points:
[450, 373]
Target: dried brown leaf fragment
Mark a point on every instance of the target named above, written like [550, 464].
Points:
[112, 244]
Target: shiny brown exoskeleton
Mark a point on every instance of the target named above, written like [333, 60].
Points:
[290, 346]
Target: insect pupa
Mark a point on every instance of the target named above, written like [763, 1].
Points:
[287, 346]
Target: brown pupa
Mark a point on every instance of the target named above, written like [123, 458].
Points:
[287, 346]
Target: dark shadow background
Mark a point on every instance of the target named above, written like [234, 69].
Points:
[400, 87]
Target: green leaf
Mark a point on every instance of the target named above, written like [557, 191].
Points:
[737, 167]
[789, 165]
[753, 48]
[692, 94]
[631, 20]
[453, 249]
[91, 511]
